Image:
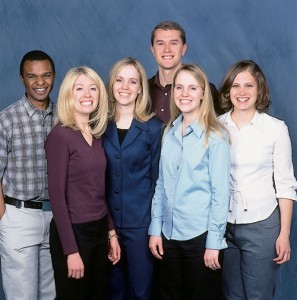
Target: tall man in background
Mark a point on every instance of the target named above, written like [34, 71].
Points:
[168, 45]
[24, 205]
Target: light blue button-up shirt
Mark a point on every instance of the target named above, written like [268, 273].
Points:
[192, 192]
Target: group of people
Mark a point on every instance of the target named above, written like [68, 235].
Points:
[160, 188]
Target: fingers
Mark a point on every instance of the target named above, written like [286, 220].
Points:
[76, 274]
[213, 264]
[156, 246]
[282, 257]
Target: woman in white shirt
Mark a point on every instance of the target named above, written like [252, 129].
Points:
[262, 186]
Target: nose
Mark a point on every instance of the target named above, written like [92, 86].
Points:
[39, 80]
[185, 92]
[167, 48]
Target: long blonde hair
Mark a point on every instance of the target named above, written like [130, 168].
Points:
[143, 100]
[65, 115]
[206, 113]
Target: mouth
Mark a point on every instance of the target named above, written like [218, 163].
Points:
[124, 94]
[40, 90]
[167, 56]
[86, 103]
[242, 99]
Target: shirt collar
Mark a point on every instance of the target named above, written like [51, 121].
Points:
[256, 120]
[195, 126]
[31, 109]
[157, 82]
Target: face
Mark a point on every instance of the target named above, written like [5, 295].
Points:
[85, 95]
[127, 86]
[187, 94]
[244, 92]
[168, 48]
[38, 79]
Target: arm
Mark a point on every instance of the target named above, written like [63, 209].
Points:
[219, 170]
[57, 162]
[283, 249]
[2, 205]
[114, 254]
[285, 184]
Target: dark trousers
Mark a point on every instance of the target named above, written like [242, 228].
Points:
[183, 274]
[92, 240]
[132, 277]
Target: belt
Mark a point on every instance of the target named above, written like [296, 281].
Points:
[42, 205]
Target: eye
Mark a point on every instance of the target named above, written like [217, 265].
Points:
[250, 85]
[193, 88]
[133, 81]
[159, 43]
[174, 43]
[31, 76]
[178, 87]
[118, 80]
[79, 89]
[46, 75]
[93, 89]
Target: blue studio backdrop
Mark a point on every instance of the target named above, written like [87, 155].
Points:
[97, 33]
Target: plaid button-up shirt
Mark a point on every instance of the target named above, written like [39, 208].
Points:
[23, 168]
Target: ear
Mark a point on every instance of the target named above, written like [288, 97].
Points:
[22, 79]
[185, 47]
[153, 51]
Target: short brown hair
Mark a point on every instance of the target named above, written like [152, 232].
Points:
[169, 25]
[263, 100]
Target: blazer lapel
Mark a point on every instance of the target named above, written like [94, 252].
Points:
[133, 132]
[112, 135]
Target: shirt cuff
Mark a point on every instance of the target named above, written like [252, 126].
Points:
[215, 240]
[155, 227]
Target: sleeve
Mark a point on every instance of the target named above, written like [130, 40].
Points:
[155, 227]
[219, 170]
[155, 148]
[57, 154]
[3, 149]
[285, 182]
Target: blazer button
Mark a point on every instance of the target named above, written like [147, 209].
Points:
[117, 174]
[117, 156]
[117, 209]
[117, 191]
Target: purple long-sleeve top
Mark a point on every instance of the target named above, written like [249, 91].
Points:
[76, 180]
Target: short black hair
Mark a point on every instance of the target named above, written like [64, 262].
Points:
[35, 55]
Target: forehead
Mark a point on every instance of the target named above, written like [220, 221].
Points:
[37, 66]
[245, 75]
[184, 77]
[162, 34]
[83, 79]
[128, 71]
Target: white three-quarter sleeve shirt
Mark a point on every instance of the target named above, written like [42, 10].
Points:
[261, 167]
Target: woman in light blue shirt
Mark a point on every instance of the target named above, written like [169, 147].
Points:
[190, 204]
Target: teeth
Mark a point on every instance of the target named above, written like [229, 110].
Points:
[124, 94]
[40, 89]
[242, 99]
[185, 101]
[86, 103]
[169, 56]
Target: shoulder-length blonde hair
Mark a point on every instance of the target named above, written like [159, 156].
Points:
[206, 113]
[143, 100]
[65, 114]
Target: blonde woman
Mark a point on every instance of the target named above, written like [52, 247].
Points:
[132, 145]
[76, 171]
[190, 204]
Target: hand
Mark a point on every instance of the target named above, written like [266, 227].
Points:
[211, 259]
[283, 249]
[156, 246]
[114, 254]
[75, 266]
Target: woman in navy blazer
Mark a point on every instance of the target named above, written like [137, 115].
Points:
[132, 144]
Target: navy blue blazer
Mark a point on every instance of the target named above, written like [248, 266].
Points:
[132, 172]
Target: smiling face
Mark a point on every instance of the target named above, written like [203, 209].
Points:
[85, 96]
[187, 94]
[168, 48]
[38, 79]
[244, 92]
[127, 86]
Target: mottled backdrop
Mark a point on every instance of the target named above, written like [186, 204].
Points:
[219, 32]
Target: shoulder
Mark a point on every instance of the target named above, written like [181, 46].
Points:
[223, 118]
[154, 122]
[270, 123]
[11, 109]
[60, 132]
